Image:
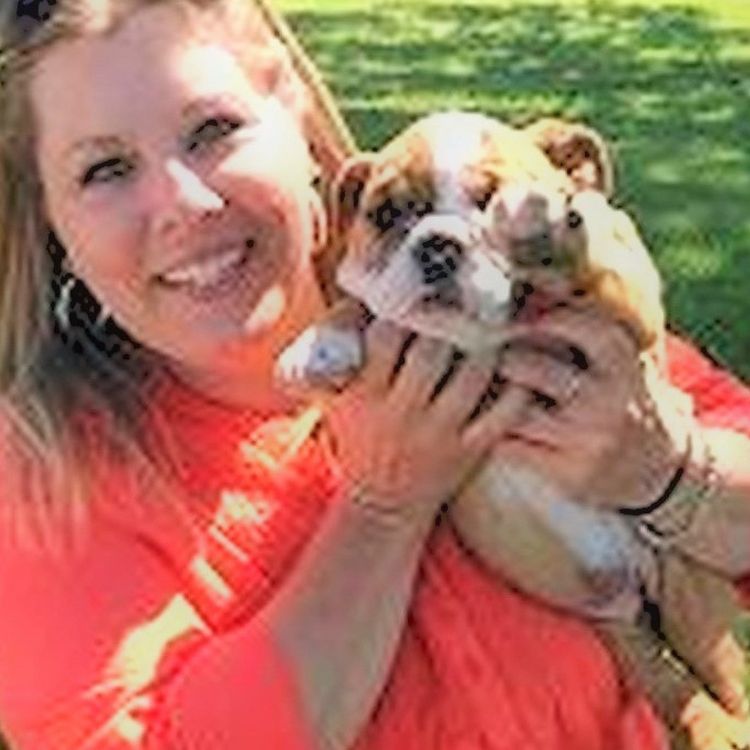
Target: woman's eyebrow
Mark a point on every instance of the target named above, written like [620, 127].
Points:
[91, 143]
[194, 108]
[199, 105]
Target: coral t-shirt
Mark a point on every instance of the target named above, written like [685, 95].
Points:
[145, 639]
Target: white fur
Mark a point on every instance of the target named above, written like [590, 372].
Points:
[454, 142]
[600, 541]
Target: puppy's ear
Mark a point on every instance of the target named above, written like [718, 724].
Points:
[578, 150]
[347, 190]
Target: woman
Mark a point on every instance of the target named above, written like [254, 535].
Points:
[196, 567]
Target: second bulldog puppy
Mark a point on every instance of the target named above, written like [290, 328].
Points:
[457, 225]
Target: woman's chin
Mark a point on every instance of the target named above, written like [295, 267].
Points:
[222, 347]
[242, 340]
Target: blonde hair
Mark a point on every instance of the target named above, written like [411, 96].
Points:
[50, 376]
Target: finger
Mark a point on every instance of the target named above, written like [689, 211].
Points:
[543, 373]
[709, 726]
[384, 343]
[725, 676]
[732, 695]
[608, 346]
[424, 369]
[487, 429]
[541, 429]
[458, 400]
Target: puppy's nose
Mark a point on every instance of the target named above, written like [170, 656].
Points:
[438, 257]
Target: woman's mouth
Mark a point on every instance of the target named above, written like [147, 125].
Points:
[211, 274]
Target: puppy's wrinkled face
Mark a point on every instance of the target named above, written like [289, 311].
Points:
[450, 221]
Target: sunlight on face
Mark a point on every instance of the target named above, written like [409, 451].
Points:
[179, 188]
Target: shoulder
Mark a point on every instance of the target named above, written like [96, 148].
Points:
[721, 399]
[51, 479]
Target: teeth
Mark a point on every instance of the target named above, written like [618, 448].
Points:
[206, 272]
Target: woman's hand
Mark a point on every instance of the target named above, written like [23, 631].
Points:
[404, 441]
[613, 431]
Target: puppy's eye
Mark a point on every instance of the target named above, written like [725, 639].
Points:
[420, 208]
[385, 216]
[574, 220]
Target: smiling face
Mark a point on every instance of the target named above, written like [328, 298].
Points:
[181, 188]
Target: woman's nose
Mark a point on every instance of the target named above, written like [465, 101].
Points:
[184, 198]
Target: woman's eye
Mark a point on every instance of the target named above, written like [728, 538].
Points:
[106, 171]
[212, 129]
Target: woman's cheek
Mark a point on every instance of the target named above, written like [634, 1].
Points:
[244, 182]
[113, 251]
[270, 202]
[108, 253]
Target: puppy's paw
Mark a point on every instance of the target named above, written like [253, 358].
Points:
[324, 358]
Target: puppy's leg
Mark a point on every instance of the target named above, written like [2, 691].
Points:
[699, 609]
[695, 720]
[325, 356]
[647, 662]
[701, 537]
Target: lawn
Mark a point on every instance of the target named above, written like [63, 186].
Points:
[667, 83]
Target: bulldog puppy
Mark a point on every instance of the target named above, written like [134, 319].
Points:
[458, 224]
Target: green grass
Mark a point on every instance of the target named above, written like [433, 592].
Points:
[668, 84]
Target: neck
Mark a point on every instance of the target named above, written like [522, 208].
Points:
[239, 390]
[249, 382]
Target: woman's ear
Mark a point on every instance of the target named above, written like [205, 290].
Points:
[576, 149]
[346, 191]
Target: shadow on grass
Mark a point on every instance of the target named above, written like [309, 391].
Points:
[668, 88]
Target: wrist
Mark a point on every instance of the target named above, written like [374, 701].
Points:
[390, 511]
[659, 447]
[693, 486]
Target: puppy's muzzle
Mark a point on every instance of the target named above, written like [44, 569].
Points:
[439, 257]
